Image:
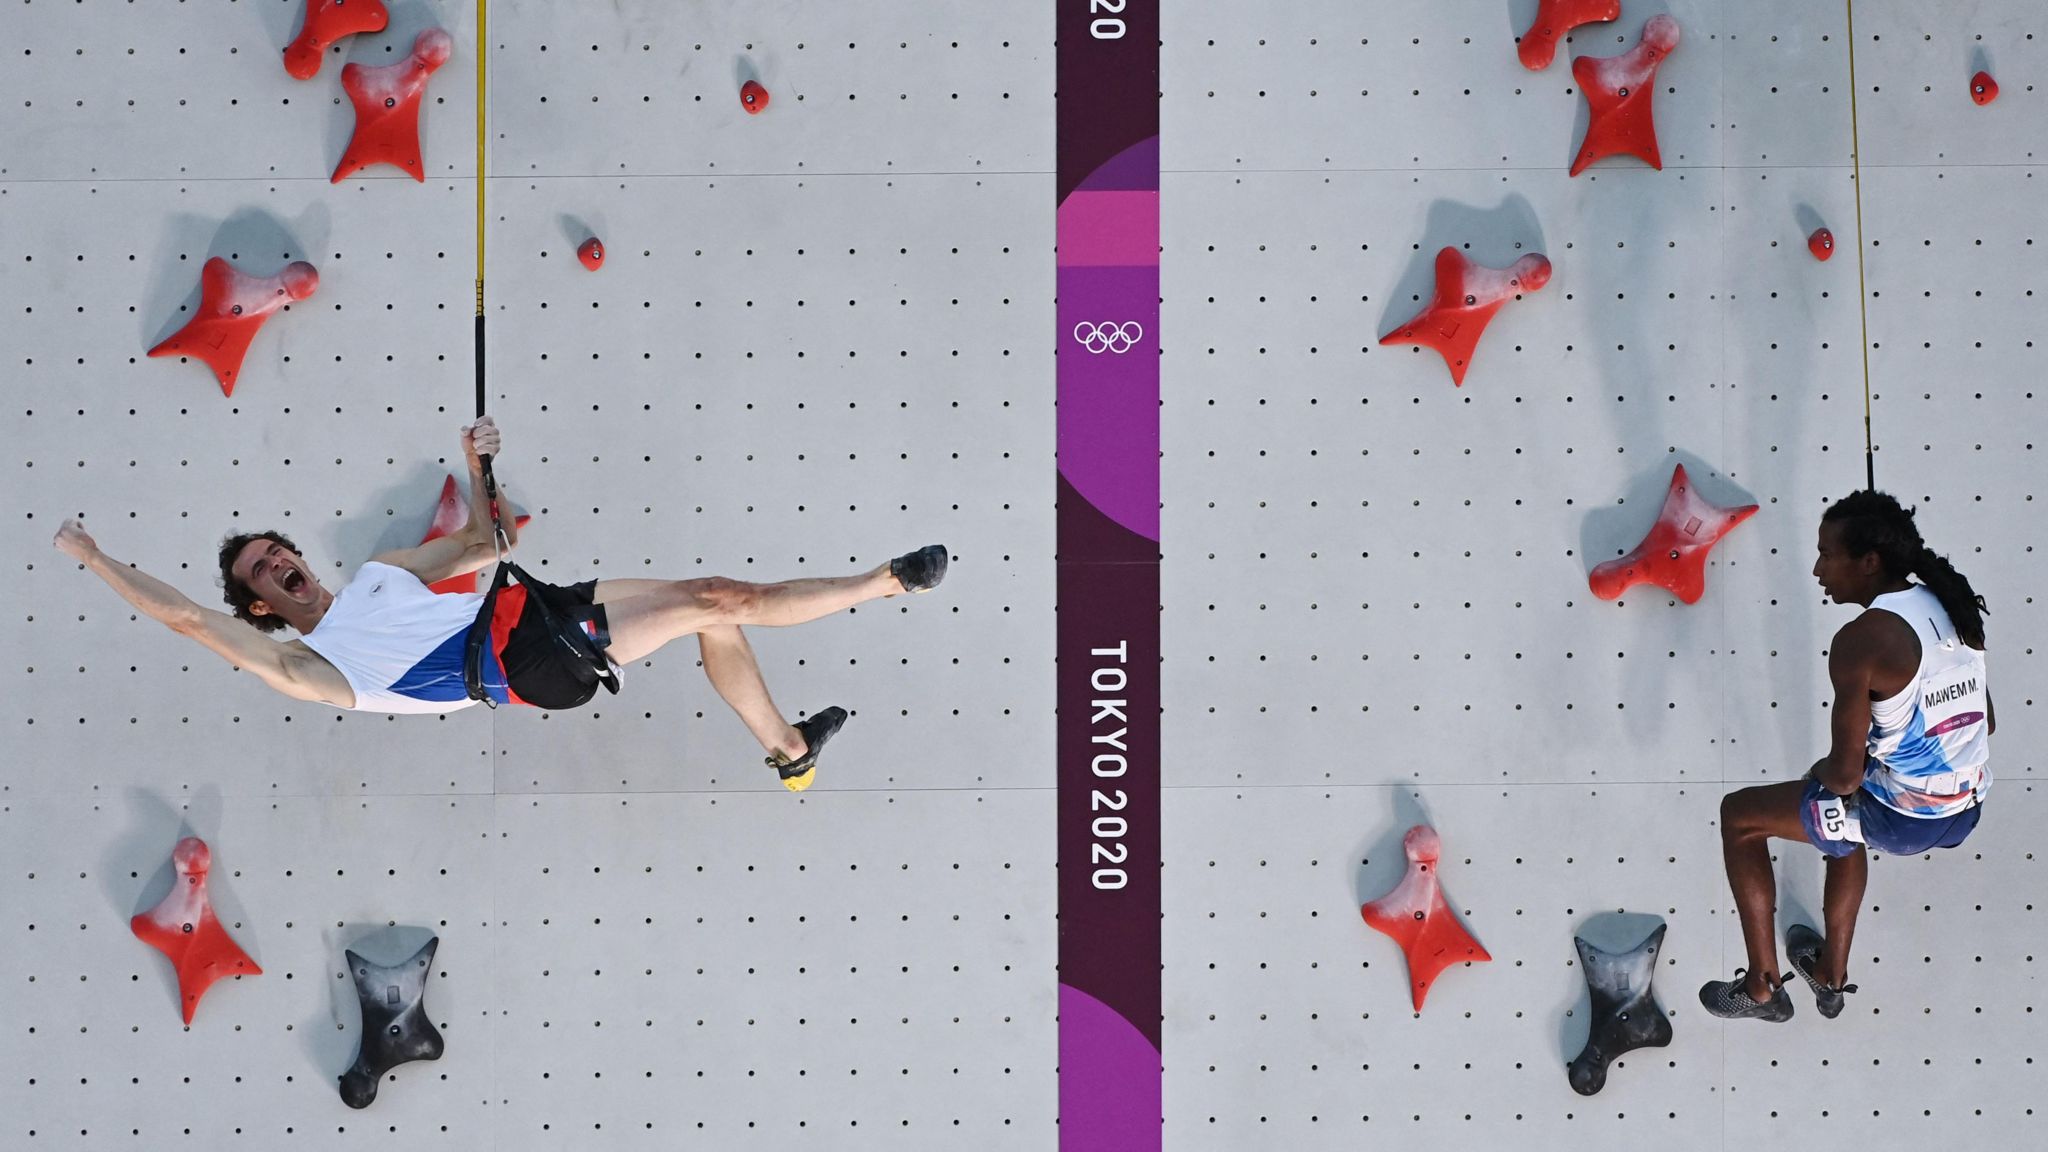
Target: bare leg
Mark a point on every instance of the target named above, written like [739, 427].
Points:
[729, 663]
[1749, 819]
[1841, 899]
[801, 601]
[644, 622]
[613, 591]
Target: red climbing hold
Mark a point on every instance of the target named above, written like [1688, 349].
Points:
[591, 253]
[1467, 296]
[753, 97]
[1618, 91]
[1554, 21]
[1983, 89]
[1415, 915]
[232, 306]
[326, 22]
[1674, 555]
[183, 927]
[451, 515]
[387, 100]
[1821, 244]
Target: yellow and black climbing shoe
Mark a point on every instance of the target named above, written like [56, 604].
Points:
[797, 774]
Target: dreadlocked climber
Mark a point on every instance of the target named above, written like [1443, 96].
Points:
[1908, 767]
[387, 643]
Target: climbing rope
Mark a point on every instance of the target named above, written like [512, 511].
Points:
[1862, 294]
[498, 538]
[480, 629]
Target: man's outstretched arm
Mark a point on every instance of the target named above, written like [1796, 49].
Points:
[294, 671]
[154, 598]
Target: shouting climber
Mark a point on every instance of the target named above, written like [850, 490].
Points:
[387, 643]
[1908, 765]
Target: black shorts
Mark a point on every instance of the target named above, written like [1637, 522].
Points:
[539, 670]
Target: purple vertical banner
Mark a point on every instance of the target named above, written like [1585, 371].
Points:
[1108, 575]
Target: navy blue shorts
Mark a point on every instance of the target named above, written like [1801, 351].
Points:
[1837, 825]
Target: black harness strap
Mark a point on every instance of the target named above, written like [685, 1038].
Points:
[479, 635]
[584, 658]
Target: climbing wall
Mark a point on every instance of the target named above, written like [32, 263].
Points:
[1375, 583]
[818, 341]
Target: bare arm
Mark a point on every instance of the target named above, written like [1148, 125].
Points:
[288, 666]
[154, 598]
[438, 559]
[293, 669]
[480, 508]
[1851, 660]
[472, 547]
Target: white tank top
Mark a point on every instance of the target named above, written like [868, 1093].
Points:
[399, 644]
[1929, 745]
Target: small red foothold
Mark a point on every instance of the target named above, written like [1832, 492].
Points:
[753, 97]
[232, 306]
[592, 254]
[1467, 296]
[1674, 555]
[183, 927]
[451, 515]
[1983, 89]
[1618, 91]
[387, 101]
[1419, 920]
[1821, 244]
[326, 22]
[1554, 21]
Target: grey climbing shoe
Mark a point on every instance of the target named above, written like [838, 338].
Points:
[1729, 1000]
[1803, 946]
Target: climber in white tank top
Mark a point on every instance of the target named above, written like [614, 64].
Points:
[1930, 743]
[387, 642]
[1908, 762]
[399, 644]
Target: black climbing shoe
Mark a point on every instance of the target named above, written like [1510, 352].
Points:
[1730, 1000]
[1802, 947]
[920, 570]
[797, 774]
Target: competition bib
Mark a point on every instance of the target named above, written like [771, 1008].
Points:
[1836, 817]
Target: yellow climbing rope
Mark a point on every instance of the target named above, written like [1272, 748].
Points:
[1862, 293]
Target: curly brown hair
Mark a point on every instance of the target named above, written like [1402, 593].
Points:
[239, 595]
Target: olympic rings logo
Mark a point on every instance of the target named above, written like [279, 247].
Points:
[1117, 338]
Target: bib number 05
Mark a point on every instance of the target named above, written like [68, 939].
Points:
[1837, 819]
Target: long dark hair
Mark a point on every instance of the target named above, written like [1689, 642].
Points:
[1875, 522]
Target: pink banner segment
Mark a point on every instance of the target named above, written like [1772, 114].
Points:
[1098, 229]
